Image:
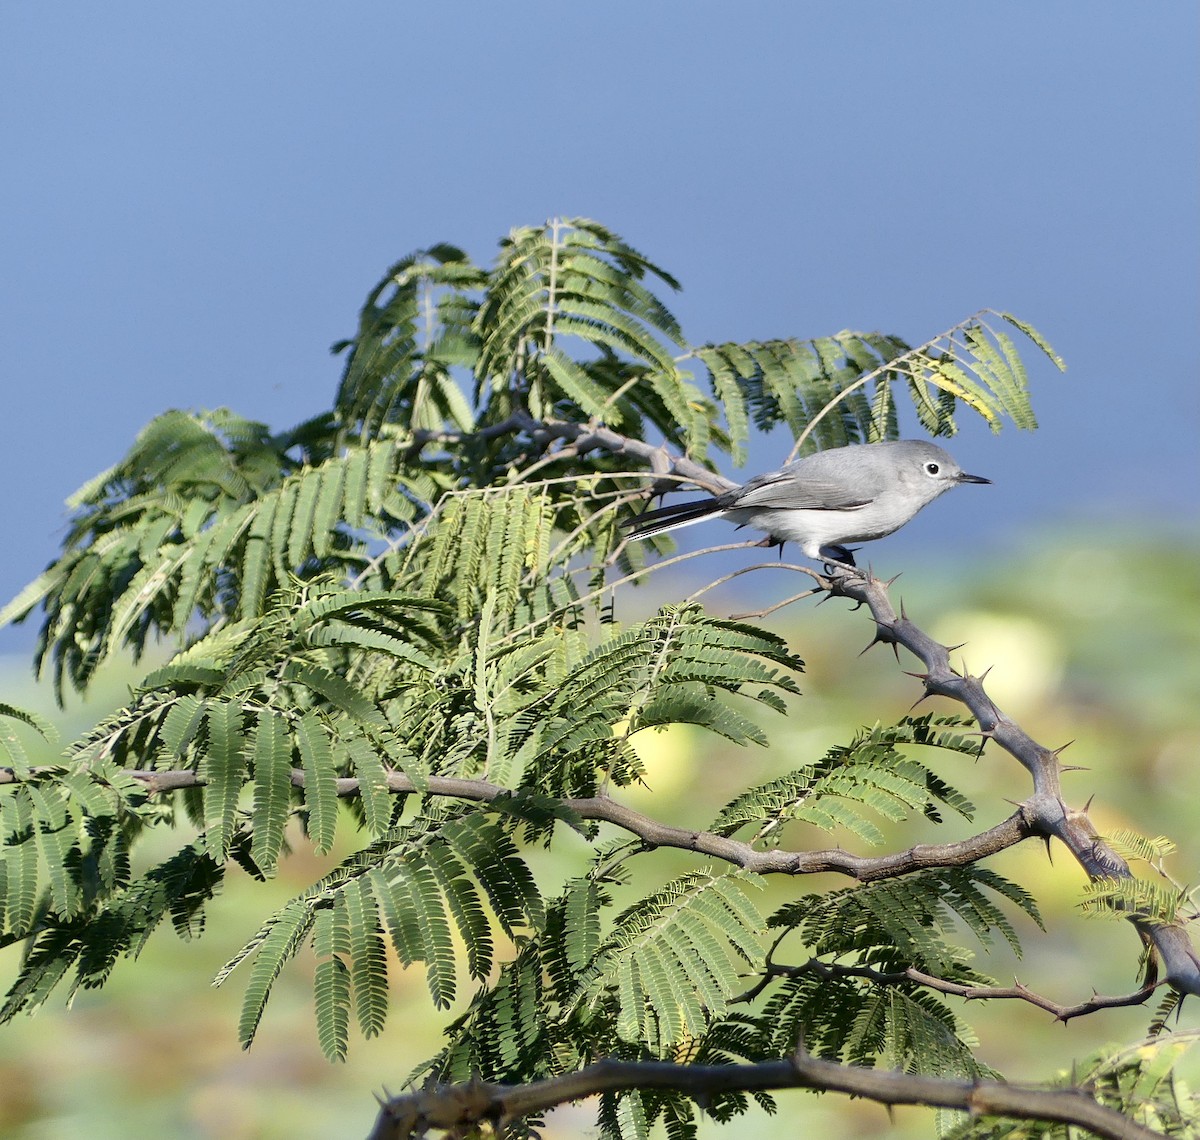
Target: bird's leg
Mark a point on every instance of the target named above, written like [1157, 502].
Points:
[841, 557]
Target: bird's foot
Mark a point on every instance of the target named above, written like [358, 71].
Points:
[842, 558]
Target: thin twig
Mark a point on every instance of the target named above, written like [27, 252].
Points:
[1016, 991]
[761, 566]
[600, 591]
[777, 606]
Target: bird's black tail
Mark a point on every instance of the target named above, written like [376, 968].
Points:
[668, 518]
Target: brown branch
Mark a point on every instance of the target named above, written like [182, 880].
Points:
[460, 1107]
[653, 833]
[1017, 991]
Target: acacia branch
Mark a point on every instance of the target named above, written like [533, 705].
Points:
[457, 1108]
[653, 833]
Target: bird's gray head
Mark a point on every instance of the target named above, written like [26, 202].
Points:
[924, 468]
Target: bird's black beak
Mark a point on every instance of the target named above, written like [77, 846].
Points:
[963, 477]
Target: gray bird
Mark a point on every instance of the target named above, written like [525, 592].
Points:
[822, 502]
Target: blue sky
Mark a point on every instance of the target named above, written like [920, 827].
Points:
[196, 199]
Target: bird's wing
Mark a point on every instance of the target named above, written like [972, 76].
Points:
[783, 489]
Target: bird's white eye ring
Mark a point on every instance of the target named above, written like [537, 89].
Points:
[931, 468]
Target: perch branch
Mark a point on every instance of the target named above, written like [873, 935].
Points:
[1045, 811]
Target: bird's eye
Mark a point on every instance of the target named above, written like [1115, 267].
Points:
[931, 468]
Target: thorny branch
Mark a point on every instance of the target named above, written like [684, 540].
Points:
[459, 1107]
[1045, 811]
[582, 438]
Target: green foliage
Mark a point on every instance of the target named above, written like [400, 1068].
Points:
[204, 519]
[870, 772]
[1123, 897]
[12, 749]
[1130, 846]
[674, 960]
[837, 390]
[209, 514]
[907, 921]
[393, 638]
[416, 888]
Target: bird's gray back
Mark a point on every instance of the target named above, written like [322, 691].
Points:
[839, 479]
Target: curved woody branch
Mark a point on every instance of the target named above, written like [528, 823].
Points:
[458, 1109]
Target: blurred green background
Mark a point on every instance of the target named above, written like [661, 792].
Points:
[1090, 638]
